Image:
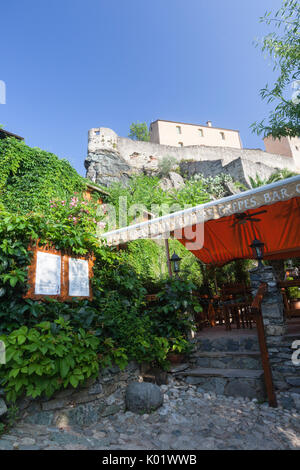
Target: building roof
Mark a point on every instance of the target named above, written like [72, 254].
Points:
[4, 134]
[197, 125]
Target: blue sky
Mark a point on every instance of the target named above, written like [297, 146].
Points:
[70, 65]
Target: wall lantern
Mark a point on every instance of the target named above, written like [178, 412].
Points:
[175, 260]
[258, 251]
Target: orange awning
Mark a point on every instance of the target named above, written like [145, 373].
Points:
[270, 213]
[226, 239]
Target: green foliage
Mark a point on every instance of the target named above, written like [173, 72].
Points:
[120, 300]
[171, 315]
[45, 358]
[276, 176]
[215, 186]
[191, 194]
[139, 131]
[284, 48]
[294, 292]
[141, 193]
[30, 177]
[166, 164]
[147, 258]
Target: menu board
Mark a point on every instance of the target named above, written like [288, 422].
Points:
[48, 274]
[79, 278]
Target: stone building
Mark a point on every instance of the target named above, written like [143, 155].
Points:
[179, 134]
[287, 146]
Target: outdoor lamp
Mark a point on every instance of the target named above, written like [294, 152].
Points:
[175, 260]
[258, 251]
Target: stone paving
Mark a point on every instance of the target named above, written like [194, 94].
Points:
[188, 420]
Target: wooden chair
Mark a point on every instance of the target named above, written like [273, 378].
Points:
[236, 302]
[208, 315]
[289, 310]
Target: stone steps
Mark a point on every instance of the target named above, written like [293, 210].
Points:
[231, 382]
[227, 359]
[227, 344]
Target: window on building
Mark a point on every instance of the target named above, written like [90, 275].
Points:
[181, 144]
[178, 129]
[200, 132]
[297, 148]
[97, 132]
[222, 135]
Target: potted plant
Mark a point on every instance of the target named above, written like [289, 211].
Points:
[179, 350]
[294, 295]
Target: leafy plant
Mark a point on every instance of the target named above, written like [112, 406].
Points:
[139, 131]
[166, 164]
[171, 316]
[45, 358]
[276, 176]
[284, 49]
[30, 177]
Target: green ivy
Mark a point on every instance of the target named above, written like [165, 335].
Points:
[30, 177]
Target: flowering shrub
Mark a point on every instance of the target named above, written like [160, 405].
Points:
[76, 211]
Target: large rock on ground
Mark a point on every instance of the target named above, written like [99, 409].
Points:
[143, 397]
[3, 407]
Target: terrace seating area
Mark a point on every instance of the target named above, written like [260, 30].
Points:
[231, 308]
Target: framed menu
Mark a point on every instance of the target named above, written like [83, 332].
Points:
[60, 276]
[48, 274]
[79, 283]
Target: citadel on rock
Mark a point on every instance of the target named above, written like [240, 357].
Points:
[196, 148]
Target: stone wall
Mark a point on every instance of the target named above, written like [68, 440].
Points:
[98, 398]
[111, 158]
[286, 375]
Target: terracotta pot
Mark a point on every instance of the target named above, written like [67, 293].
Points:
[175, 358]
[295, 304]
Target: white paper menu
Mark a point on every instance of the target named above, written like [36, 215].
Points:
[79, 278]
[48, 274]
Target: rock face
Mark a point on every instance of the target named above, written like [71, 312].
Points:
[107, 167]
[143, 397]
[176, 180]
[172, 181]
[3, 408]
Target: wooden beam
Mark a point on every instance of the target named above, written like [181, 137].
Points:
[256, 311]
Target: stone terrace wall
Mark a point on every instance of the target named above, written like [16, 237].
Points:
[98, 398]
[148, 154]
